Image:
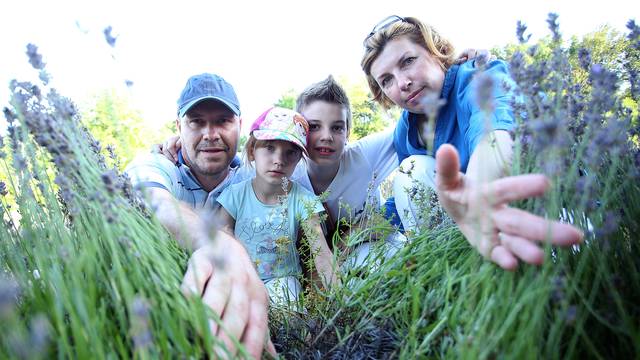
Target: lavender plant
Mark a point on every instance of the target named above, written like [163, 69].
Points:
[86, 272]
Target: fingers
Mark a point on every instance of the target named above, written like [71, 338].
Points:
[217, 293]
[448, 174]
[257, 329]
[271, 349]
[199, 270]
[517, 222]
[522, 248]
[501, 256]
[235, 317]
[514, 188]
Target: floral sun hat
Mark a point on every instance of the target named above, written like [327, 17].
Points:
[282, 124]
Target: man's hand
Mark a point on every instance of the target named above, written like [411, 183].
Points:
[169, 148]
[497, 231]
[222, 273]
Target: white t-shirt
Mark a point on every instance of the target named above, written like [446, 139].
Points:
[363, 166]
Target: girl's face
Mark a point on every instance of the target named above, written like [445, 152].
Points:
[406, 72]
[275, 159]
[327, 131]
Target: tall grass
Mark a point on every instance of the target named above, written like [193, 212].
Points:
[88, 273]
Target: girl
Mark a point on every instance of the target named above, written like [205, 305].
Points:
[267, 212]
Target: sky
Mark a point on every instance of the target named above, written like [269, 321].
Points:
[263, 48]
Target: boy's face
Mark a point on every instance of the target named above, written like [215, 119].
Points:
[328, 131]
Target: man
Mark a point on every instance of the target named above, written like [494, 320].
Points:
[209, 125]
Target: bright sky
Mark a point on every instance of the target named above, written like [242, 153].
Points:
[262, 47]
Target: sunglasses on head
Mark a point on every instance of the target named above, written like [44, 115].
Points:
[386, 22]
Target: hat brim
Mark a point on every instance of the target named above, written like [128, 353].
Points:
[279, 135]
[194, 102]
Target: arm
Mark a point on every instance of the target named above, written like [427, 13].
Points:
[220, 271]
[491, 158]
[322, 256]
[179, 219]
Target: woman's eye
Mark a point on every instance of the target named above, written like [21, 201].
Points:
[409, 60]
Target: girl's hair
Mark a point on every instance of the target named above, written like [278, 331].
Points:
[251, 145]
[419, 33]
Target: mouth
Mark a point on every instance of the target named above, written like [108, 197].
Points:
[212, 150]
[412, 99]
[325, 151]
[276, 173]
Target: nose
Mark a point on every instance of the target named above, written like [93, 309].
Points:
[279, 157]
[325, 134]
[210, 132]
[404, 82]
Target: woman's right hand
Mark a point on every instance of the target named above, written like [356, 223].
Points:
[169, 148]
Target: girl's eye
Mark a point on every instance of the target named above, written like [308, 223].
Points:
[270, 147]
[409, 60]
[338, 129]
[313, 127]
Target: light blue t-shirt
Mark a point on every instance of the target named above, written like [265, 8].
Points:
[460, 121]
[156, 171]
[269, 232]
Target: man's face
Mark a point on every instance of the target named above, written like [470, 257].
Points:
[209, 132]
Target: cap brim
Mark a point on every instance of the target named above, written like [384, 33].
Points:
[194, 102]
[278, 135]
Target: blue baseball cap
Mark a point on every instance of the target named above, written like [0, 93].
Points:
[207, 86]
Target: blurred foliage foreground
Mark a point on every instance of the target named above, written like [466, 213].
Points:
[86, 272]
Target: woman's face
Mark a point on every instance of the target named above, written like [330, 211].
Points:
[406, 72]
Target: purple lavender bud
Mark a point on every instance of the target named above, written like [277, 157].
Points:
[634, 34]
[35, 59]
[584, 56]
[432, 103]
[520, 29]
[3, 189]
[484, 95]
[552, 21]
[111, 40]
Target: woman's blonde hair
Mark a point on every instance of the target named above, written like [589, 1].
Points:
[419, 33]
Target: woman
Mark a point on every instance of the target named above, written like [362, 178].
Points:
[409, 64]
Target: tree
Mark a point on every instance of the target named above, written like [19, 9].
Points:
[113, 121]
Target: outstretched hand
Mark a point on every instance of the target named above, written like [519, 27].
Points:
[499, 232]
[229, 285]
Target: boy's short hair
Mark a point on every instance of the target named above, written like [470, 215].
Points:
[326, 90]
